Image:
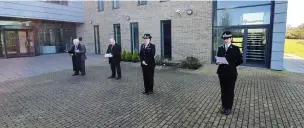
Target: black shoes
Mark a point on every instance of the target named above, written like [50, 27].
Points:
[148, 93]
[75, 74]
[111, 77]
[225, 111]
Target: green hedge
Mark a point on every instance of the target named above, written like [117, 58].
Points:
[123, 55]
[128, 57]
[135, 56]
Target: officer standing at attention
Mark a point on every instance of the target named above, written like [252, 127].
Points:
[227, 73]
[147, 53]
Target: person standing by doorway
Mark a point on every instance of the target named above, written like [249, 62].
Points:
[115, 50]
[147, 53]
[227, 73]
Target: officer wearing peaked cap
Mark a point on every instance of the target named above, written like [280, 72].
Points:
[147, 53]
[227, 73]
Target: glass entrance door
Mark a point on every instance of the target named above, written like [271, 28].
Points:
[19, 43]
[11, 39]
[256, 47]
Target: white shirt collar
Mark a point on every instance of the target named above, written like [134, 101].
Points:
[227, 45]
[146, 44]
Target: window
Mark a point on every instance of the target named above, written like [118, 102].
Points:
[237, 4]
[115, 4]
[62, 2]
[96, 39]
[100, 5]
[117, 34]
[142, 2]
[163, 0]
[244, 16]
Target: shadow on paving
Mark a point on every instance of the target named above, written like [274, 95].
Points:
[263, 98]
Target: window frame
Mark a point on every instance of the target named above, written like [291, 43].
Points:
[139, 2]
[133, 47]
[58, 2]
[114, 29]
[118, 4]
[163, 1]
[98, 5]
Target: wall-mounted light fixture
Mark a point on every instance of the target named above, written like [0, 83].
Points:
[127, 18]
[91, 22]
[189, 11]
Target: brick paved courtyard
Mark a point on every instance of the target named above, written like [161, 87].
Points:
[263, 98]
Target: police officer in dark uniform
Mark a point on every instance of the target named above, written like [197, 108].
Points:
[227, 73]
[147, 53]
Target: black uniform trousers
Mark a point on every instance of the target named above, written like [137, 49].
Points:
[227, 83]
[148, 73]
[115, 67]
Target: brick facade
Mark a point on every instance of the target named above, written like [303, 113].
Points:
[191, 34]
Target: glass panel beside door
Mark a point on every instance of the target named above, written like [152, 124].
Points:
[23, 43]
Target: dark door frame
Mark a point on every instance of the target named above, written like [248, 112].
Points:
[268, 41]
[17, 43]
[133, 43]
[96, 34]
[162, 39]
[117, 41]
[27, 47]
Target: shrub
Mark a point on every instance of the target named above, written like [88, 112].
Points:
[123, 55]
[135, 56]
[128, 57]
[191, 63]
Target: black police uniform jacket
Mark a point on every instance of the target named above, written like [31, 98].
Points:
[234, 58]
[147, 54]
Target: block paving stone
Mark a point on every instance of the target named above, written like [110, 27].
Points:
[182, 99]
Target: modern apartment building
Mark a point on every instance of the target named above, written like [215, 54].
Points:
[190, 28]
[29, 28]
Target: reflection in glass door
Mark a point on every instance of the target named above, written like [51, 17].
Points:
[256, 47]
[11, 39]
